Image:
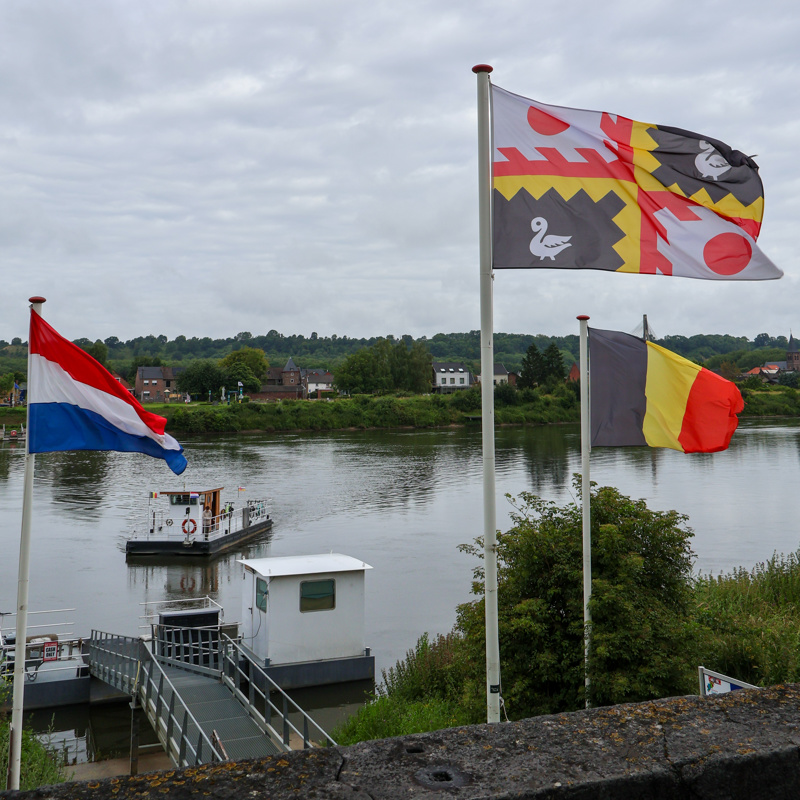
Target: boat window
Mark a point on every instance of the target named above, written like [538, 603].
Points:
[262, 591]
[183, 500]
[317, 595]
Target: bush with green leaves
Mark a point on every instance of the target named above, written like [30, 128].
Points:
[642, 634]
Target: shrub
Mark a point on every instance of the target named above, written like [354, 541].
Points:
[505, 395]
[40, 766]
[641, 599]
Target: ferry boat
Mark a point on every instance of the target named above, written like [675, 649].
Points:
[196, 523]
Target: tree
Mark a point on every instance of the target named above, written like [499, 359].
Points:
[98, 351]
[241, 372]
[250, 357]
[386, 366]
[200, 378]
[356, 374]
[642, 641]
[553, 364]
[6, 384]
[728, 370]
[533, 368]
[762, 340]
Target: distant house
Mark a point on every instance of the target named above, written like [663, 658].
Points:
[157, 384]
[316, 380]
[574, 373]
[283, 383]
[501, 375]
[450, 376]
[793, 355]
[122, 382]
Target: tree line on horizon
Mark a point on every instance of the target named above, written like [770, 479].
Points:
[329, 352]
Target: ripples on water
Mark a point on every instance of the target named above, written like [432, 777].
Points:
[402, 501]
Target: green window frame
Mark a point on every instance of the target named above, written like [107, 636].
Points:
[318, 595]
[262, 593]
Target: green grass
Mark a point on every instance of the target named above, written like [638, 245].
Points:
[40, 767]
[749, 621]
[389, 716]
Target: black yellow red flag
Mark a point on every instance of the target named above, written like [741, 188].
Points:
[643, 394]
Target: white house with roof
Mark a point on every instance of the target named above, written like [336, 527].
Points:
[501, 375]
[450, 376]
[317, 380]
[303, 618]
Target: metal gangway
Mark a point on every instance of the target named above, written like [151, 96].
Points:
[205, 696]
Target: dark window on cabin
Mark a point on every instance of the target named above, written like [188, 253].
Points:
[183, 500]
[318, 595]
[262, 592]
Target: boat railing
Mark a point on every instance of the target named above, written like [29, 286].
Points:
[187, 604]
[45, 644]
[209, 650]
[162, 524]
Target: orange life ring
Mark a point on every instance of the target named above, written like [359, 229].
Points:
[189, 526]
[191, 586]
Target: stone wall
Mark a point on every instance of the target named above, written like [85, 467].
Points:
[743, 745]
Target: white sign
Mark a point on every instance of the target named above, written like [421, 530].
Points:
[716, 683]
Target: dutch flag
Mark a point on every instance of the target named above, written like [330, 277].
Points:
[74, 403]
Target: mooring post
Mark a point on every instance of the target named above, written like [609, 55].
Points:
[134, 738]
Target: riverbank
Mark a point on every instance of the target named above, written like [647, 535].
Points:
[362, 412]
[369, 412]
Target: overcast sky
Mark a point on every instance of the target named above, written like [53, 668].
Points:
[204, 167]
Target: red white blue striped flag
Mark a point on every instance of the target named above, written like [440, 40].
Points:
[77, 404]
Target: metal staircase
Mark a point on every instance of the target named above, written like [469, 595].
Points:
[205, 697]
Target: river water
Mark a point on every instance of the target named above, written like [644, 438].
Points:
[401, 500]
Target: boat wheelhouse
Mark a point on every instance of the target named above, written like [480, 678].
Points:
[196, 523]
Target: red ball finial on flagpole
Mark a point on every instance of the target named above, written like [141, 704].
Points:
[582, 316]
[482, 68]
[37, 300]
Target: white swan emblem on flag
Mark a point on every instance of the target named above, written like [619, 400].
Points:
[709, 163]
[546, 246]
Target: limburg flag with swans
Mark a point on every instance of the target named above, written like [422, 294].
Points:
[643, 394]
[577, 189]
[74, 403]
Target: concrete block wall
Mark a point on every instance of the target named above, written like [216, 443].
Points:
[744, 745]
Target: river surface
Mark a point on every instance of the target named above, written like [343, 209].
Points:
[402, 501]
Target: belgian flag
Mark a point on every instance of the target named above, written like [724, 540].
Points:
[643, 394]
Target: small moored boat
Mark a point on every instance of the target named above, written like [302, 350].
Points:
[186, 523]
[56, 666]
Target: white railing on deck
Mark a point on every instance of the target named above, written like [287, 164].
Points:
[162, 525]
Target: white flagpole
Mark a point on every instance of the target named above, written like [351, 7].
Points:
[15, 748]
[487, 394]
[586, 490]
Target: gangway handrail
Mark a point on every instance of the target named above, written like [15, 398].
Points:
[172, 719]
[270, 686]
[189, 654]
[107, 662]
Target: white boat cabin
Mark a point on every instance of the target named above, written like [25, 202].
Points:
[304, 608]
[191, 512]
